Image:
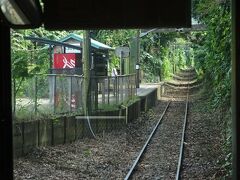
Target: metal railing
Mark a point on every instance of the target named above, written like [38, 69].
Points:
[59, 93]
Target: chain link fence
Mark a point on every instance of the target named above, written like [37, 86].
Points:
[50, 94]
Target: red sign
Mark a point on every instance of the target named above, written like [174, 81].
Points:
[62, 61]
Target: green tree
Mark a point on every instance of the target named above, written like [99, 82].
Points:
[29, 58]
[213, 58]
[162, 54]
[213, 49]
[115, 38]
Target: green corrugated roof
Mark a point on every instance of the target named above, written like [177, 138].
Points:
[79, 38]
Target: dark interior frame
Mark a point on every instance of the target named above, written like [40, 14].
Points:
[6, 149]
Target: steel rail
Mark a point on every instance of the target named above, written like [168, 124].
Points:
[130, 172]
[182, 140]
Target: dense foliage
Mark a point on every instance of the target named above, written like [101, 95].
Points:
[115, 38]
[29, 58]
[213, 58]
[213, 48]
[162, 54]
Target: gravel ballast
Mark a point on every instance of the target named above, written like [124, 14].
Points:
[111, 155]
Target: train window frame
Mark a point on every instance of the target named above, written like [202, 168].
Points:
[235, 57]
[28, 12]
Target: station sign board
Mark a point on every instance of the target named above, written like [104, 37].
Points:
[66, 61]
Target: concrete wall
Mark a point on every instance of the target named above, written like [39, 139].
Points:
[149, 100]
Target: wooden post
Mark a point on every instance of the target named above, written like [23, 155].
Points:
[87, 73]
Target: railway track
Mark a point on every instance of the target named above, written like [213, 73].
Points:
[160, 158]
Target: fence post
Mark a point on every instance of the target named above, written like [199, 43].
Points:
[108, 83]
[127, 87]
[52, 131]
[35, 94]
[23, 138]
[14, 96]
[54, 94]
[117, 89]
[71, 99]
[64, 130]
[94, 86]
[121, 89]
[103, 90]
[38, 132]
[135, 88]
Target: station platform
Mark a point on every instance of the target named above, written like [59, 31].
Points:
[148, 88]
[148, 94]
[145, 89]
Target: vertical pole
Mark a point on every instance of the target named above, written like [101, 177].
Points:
[235, 89]
[103, 90]
[117, 88]
[86, 72]
[54, 93]
[174, 54]
[121, 88]
[50, 58]
[121, 54]
[108, 88]
[38, 133]
[23, 137]
[72, 96]
[138, 59]
[94, 81]
[6, 150]
[14, 96]
[35, 94]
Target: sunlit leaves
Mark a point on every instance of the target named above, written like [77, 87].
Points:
[213, 54]
[116, 38]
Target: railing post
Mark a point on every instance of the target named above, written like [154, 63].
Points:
[128, 86]
[117, 89]
[71, 99]
[95, 83]
[103, 91]
[54, 94]
[108, 82]
[121, 86]
[35, 94]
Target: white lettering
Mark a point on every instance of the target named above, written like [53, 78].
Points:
[69, 64]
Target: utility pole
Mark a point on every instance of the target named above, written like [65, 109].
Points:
[87, 73]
